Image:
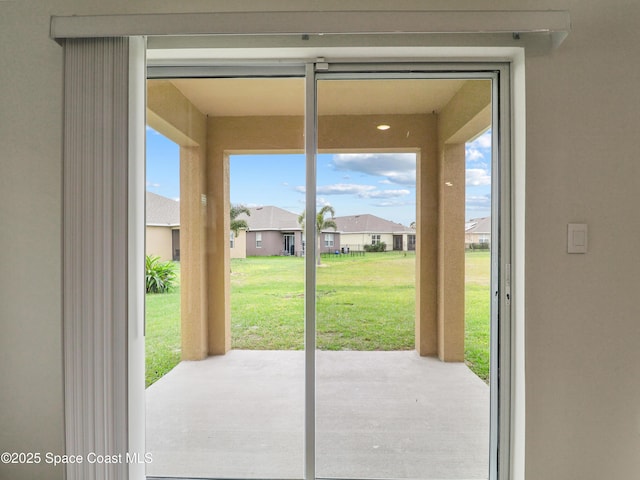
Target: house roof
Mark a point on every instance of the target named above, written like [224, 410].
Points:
[367, 223]
[271, 218]
[478, 225]
[162, 211]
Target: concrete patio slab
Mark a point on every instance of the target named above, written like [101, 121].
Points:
[379, 415]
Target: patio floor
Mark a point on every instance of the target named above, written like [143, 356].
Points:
[379, 415]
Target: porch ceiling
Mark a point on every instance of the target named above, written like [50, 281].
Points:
[285, 96]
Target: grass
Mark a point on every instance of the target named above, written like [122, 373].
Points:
[162, 333]
[363, 303]
[477, 314]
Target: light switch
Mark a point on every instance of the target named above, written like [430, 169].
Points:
[577, 238]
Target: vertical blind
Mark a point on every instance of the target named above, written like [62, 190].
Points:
[95, 217]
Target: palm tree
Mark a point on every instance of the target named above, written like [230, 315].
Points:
[321, 224]
[236, 224]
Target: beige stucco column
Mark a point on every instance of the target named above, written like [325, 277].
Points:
[218, 254]
[415, 133]
[193, 291]
[466, 115]
[427, 211]
[227, 135]
[451, 254]
[172, 114]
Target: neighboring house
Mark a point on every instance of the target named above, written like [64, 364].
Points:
[477, 231]
[356, 231]
[272, 231]
[275, 231]
[162, 227]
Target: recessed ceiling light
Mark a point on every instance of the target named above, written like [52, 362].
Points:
[449, 184]
[383, 127]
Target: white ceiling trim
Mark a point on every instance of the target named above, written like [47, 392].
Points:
[552, 24]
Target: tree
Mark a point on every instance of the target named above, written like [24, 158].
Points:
[236, 225]
[322, 223]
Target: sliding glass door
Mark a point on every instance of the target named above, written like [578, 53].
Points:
[394, 396]
[324, 329]
[225, 344]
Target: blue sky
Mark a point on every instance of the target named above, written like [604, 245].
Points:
[380, 184]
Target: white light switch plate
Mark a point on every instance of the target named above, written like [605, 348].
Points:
[577, 238]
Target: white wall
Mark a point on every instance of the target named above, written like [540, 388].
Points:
[583, 320]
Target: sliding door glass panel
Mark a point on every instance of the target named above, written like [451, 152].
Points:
[395, 397]
[228, 392]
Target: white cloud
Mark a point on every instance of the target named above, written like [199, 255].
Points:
[399, 168]
[483, 141]
[153, 185]
[359, 190]
[320, 202]
[393, 203]
[285, 184]
[473, 155]
[386, 193]
[478, 202]
[477, 177]
[345, 189]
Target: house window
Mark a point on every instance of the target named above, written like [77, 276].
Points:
[232, 239]
[328, 239]
[375, 239]
[483, 239]
[258, 239]
[411, 242]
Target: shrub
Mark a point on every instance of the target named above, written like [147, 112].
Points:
[378, 247]
[479, 246]
[160, 277]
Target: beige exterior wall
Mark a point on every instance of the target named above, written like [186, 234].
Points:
[476, 237]
[357, 241]
[239, 249]
[451, 292]
[387, 238]
[579, 309]
[159, 242]
[416, 133]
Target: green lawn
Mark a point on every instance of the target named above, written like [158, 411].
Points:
[477, 314]
[162, 333]
[363, 303]
[162, 340]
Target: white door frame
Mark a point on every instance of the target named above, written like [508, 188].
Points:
[501, 281]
